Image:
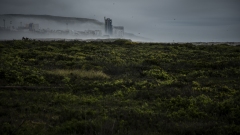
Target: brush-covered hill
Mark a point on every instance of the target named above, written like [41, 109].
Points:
[118, 88]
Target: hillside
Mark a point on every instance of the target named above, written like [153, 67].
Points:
[118, 88]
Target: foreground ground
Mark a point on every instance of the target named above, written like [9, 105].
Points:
[120, 87]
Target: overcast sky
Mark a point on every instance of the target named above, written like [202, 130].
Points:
[161, 20]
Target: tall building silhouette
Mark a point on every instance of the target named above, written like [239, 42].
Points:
[108, 26]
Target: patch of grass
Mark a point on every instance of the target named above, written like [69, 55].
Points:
[91, 74]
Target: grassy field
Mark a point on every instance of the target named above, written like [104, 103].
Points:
[118, 88]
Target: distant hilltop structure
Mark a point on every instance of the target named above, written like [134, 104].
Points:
[116, 31]
[108, 26]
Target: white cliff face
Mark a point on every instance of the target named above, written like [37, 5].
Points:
[38, 26]
[52, 22]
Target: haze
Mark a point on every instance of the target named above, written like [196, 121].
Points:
[159, 20]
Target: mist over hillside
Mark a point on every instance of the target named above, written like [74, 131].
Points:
[16, 26]
[52, 22]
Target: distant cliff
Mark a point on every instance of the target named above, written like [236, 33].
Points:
[52, 18]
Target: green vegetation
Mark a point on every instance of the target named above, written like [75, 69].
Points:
[78, 73]
[118, 88]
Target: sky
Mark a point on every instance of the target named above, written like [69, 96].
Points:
[159, 20]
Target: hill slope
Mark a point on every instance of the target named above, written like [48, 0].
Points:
[118, 88]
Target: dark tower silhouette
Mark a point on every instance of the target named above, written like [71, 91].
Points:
[108, 26]
[4, 23]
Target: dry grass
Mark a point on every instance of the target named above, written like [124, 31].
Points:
[80, 73]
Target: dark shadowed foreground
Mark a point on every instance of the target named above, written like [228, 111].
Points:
[120, 87]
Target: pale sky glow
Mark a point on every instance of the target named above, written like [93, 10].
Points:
[161, 20]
